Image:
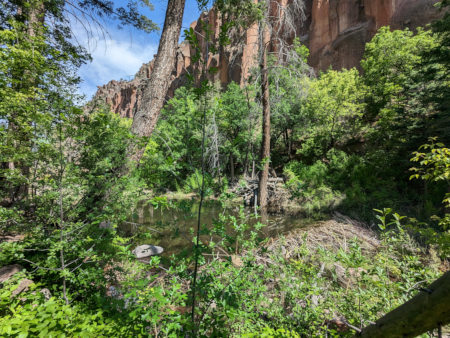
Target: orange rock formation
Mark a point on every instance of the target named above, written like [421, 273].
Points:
[334, 30]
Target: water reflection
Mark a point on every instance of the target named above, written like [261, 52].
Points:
[172, 228]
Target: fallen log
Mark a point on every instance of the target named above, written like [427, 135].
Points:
[426, 311]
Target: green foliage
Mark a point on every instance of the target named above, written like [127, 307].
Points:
[435, 163]
[384, 214]
[389, 63]
[141, 307]
[352, 132]
[289, 85]
[342, 140]
[435, 75]
[40, 318]
[174, 145]
[30, 72]
[393, 70]
[309, 185]
[194, 182]
[435, 167]
[347, 182]
[76, 186]
[268, 332]
[258, 291]
[233, 121]
[332, 112]
[174, 151]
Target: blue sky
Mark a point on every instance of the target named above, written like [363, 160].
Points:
[119, 53]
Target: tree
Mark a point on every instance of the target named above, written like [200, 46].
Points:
[155, 91]
[66, 160]
[52, 18]
[264, 40]
[435, 167]
[391, 67]
[331, 112]
[33, 75]
[434, 75]
[174, 147]
[234, 121]
[289, 87]
[39, 62]
[275, 28]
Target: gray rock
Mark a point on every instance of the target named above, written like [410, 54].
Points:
[105, 225]
[147, 250]
[46, 292]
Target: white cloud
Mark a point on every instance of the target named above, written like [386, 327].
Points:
[113, 59]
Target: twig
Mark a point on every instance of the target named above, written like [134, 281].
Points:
[40, 267]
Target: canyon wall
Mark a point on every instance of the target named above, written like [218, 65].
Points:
[335, 31]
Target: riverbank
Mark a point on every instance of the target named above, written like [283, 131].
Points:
[326, 279]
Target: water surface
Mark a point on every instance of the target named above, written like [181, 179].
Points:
[173, 227]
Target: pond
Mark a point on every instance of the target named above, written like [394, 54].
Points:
[173, 227]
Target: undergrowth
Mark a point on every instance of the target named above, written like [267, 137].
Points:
[247, 287]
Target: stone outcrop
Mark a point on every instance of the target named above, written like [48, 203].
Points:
[335, 31]
[339, 29]
[6, 272]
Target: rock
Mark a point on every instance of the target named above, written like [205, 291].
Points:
[8, 271]
[237, 261]
[147, 250]
[315, 300]
[357, 273]
[105, 225]
[335, 31]
[24, 284]
[340, 275]
[12, 238]
[46, 292]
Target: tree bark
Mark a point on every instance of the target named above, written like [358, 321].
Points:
[36, 18]
[426, 311]
[232, 167]
[155, 92]
[265, 146]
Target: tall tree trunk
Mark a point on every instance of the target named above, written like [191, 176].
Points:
[232, 167]
[265, 146]
[36, 18]
[156, 90]
[250, 128]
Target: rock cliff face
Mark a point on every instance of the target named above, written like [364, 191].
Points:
[340, 28]
[334, 30]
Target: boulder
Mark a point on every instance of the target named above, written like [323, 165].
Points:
[46, 293]
[8, 271]
[24, 285]
[147, 250]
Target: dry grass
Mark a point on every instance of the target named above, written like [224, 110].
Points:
[333, 234]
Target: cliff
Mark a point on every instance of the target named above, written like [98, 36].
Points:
[335, 31]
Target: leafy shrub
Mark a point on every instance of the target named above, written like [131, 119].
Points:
[193, 183]
[309, 184]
